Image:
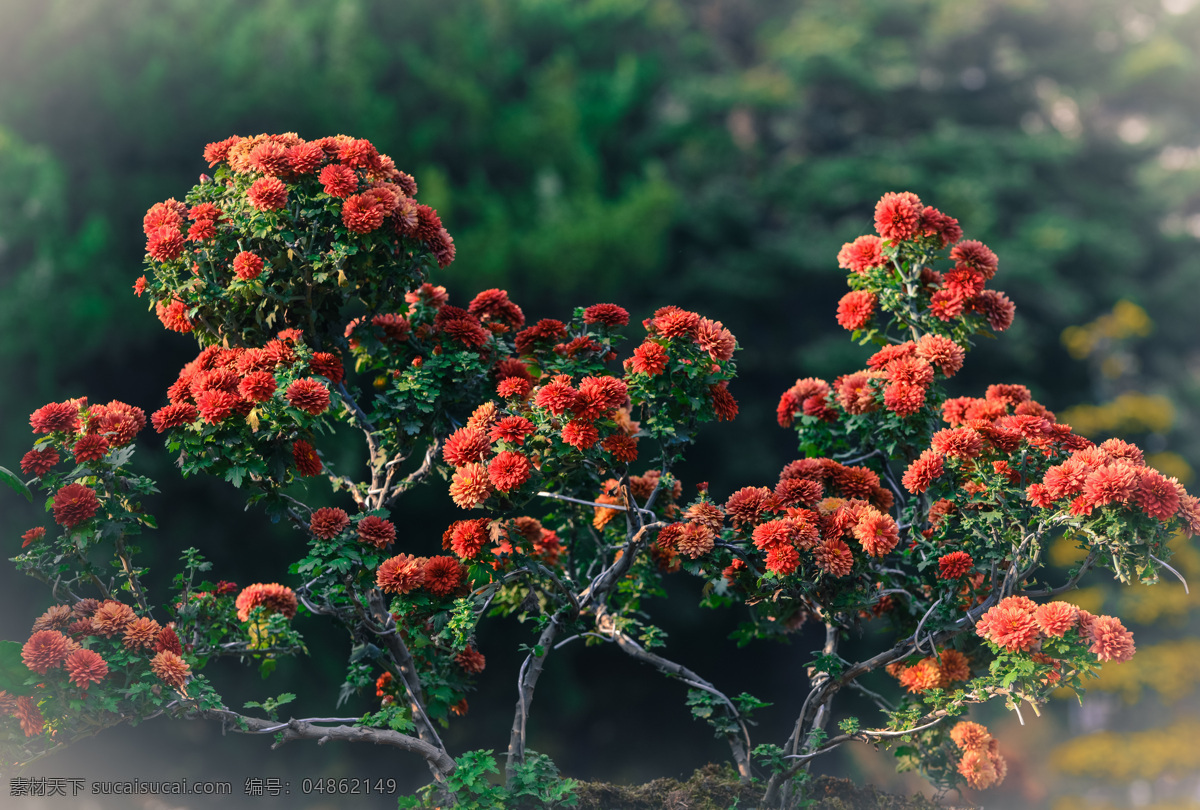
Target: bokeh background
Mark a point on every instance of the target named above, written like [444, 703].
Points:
[713, 154]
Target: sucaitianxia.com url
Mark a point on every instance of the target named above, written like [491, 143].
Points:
[58, 786]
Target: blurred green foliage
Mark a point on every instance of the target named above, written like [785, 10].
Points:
[714, 154]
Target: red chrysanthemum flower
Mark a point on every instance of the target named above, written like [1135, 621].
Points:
[267, 194]
[90, 448]
[961, 443]
[86, 667]
[945, 305]
[511, 387]
[358, 153]
[903, 399]
[1115, 483]
[443, 575]
[963, 282]
[955, 565]
[30, 716]
[338, 180]
[977, 255]
[622, 447]
[75, 504]
[1056, 618]
[724, 405]
[272, 596]
[508, 470]
[201, 230]
[308, 463]
[215, 404]
[362, 213]
[834, 557]
[165, 243]
[557, 396]
[471, 661]
[33, 535]
[862, 254]
[922, 472]
[782, 560]
[400, 574]
[876, 532]
[695, 540]
[856, 309]
[169, 213]
[247, 265]
[327, 365]
[173, 416]
[470, 485]
[466, 445]
[39, 462]
[747, 505]
[328, 522]
[169, 641]
[308, 395]
[580, 434]
[214, 153]
[173, 315]
[270, 157]
[118, 422]
[304, 158]
[673, 322]
[494, 306]
[649, 358]
[45, 650]
[512, 429]
[714, 338]
[139, 286]
[1156, 495]
[898, 216]
[468, 537]
[375, 531]
[257, 386]
[111, 618]
[598, 395]
[996, 308]
[467, 331]
[483, 417]
[1009, 626]
[945, 228]
[942, 352]
[606, 314]
[171, 669]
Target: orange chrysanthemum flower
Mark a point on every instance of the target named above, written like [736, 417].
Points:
[328, 522]
[111, 618]
[400, 574]
[470, 485]
[171, 669]
[471, 661]
[443, 575]
[272, 596]
[141, 632]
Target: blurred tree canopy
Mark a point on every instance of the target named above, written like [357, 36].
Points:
[709, 153]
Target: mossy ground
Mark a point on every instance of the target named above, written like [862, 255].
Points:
[716, 787]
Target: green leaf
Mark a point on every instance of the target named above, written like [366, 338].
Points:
[13, 672]
[16, 483]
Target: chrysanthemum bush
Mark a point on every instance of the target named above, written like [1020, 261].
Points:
[304, 270]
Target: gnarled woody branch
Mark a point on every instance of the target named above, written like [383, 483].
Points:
[608, 627]
[437, 758]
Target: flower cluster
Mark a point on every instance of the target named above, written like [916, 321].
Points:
[1018, 624]
[910, 234]
[363, 233]
[92, 643]
[981, 763]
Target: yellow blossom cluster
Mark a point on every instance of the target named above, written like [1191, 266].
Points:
[1122, 757]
